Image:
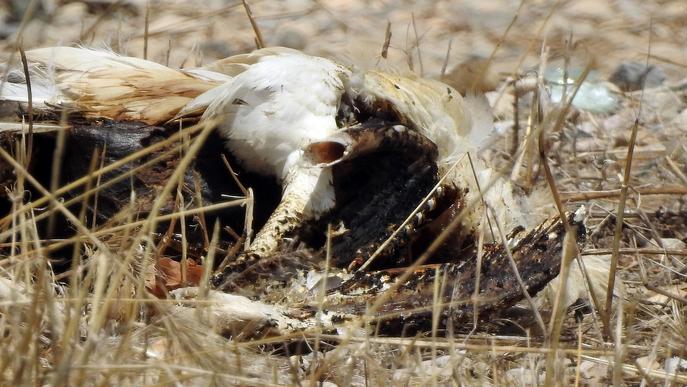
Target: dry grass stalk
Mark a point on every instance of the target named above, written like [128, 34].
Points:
[96, 324]
[259, 41]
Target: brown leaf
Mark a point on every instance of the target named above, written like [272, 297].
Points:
[169, 276]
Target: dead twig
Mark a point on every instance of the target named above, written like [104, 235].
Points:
[417, 45]
[633, 251]
[614, 193]
[29, 139]
[387, 40]
[259, 42]
[145, 31]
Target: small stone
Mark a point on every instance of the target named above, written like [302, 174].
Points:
[593, 373]
[593, 95]
[17, 9]
[292, 38]
[71, 14]
[8, 29]
[523, 377]
[647, 363]
[630, 76]
[675, 365]
[673, 244]
[34, 33]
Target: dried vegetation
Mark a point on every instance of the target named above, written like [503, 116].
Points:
[103, 317]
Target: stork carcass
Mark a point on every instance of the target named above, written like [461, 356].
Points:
[298, 118]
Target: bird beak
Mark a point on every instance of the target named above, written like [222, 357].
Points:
[329, 151]
[355, 141]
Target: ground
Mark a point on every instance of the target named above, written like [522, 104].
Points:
[117, 338]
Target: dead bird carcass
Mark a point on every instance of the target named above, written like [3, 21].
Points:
[382, 157]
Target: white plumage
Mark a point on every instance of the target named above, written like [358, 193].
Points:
[269, 114]
[275, 108]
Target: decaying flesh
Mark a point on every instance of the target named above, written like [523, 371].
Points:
[410, 306]
[441, 294]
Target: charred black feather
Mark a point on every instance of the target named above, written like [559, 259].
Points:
[498, 288]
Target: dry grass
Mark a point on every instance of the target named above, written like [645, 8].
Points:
[98, 324]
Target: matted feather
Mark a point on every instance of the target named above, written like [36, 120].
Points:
[433, 107]
[103, 84]
[236, 64]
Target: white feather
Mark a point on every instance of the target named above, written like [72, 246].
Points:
[84, 60]
[482, 133]
[228, 68]
[236, 64]
[199, 104]
[207, 75]
[597, 268]
[43, 96]
[276, 108]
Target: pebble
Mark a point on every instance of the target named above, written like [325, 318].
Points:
[675, 365]
[292, 38]
[630, 76]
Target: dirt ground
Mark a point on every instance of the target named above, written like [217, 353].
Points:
[189, 33]
[452, 41]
